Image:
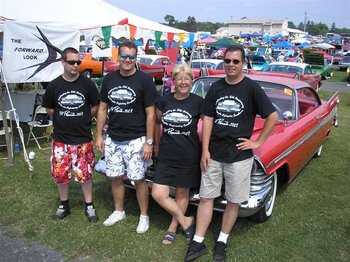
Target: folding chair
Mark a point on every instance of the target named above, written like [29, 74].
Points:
[40, 121]
[9, 131]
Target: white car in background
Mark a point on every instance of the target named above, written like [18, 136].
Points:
[154, 59]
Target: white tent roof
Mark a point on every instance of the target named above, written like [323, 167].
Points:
[80, 14]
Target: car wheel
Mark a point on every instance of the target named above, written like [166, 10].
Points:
[86, 73]
[266, 211]
[318, 152]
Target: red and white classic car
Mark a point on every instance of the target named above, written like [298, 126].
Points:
[300, 71]
[304, 123]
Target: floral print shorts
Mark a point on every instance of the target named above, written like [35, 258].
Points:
[64, 158]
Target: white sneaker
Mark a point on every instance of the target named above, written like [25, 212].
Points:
[143, 225]
[348, 85]
[114, 218]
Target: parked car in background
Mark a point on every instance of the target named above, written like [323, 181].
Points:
[259, 62]
[337, 57]
[300, 71]
[304, 123]
[200, 67]
[203, 66]
[345, 63]
[319, 64]
[92, 66]
[154, 60]
[156, 65]
[157, 72]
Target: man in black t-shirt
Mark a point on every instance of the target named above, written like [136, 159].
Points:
[230, 108]
[72, 101]
[128, 96]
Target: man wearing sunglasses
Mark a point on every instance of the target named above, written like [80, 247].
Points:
[230, 108]
[128, 96]
[72, 100]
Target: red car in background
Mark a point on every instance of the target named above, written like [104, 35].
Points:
[153, 65]
[300, 71]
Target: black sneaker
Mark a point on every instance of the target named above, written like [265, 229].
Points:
[220, 251]
[90, 213]
[195, 250]
[61, 213]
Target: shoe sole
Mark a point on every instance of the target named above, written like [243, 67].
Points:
[141, 232]
[198, 254]
[55, 218]
[111, 224]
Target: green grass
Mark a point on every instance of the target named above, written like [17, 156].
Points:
[310, 220]
[338, 76]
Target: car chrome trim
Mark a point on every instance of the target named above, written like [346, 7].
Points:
[303, 139]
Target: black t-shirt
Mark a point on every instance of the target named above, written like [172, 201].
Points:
[179, 142]
[127, 98]
[234, 108]
[71, 102]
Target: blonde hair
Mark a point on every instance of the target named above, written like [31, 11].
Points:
[182, 68]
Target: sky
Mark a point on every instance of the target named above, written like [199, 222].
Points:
[324, 11]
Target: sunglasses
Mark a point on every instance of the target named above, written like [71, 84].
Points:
[234, 61]
[73, 62]
[125, 56]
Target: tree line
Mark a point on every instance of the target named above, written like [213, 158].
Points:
[191, 25]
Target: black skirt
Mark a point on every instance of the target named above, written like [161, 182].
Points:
[177, 176]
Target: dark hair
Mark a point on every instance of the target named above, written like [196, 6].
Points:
[233, 48]
[129, 44]
[68, 50]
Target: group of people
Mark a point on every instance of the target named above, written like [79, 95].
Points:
[140, 124]
[296, 57]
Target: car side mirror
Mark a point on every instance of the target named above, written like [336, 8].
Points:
[287, 115]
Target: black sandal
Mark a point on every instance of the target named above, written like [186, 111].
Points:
[189, 232]
[169, 236]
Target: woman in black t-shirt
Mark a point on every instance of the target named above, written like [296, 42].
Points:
[178, 151]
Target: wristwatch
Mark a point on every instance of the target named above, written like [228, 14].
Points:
[149, 142]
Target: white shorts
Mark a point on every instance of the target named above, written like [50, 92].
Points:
[125, 158]
[237, 180]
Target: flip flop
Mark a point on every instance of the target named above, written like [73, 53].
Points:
[169, 236]
[189, 232]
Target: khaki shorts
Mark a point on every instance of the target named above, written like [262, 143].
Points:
[237, 180]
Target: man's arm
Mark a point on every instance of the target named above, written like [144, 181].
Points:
[150, 125]
[206, 134]
[93, 111]
[270, 122]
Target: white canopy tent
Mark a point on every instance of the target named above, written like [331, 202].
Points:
[79, 14]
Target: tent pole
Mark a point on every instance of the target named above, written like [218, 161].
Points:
[7, 135]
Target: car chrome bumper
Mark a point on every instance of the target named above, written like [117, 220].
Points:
[261, 188]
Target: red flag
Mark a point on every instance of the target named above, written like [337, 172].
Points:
[124, 21]
[147, 45]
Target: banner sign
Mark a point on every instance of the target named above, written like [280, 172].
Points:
[32, 51]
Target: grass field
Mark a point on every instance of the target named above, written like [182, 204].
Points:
[338, 76]
[310, 220]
